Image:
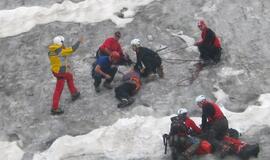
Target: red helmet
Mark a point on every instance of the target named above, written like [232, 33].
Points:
[115, 56]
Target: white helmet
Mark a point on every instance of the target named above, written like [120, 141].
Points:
[200, 98]
[182, 111]
[135, 42]
[59, 40]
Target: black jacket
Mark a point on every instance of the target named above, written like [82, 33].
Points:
[147, 58]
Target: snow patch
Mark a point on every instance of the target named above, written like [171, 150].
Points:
[88, 11]
[10, 151]
[133, 138]
[141, 137]
[188, 40]
[222, 97]
[228, 71]
[255, 115]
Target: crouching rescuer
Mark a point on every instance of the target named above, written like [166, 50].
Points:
[183, 139]
[104, 68]
[58, 54]
[148, 62]
[130, 86]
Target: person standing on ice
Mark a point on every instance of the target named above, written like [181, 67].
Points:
[112, 44]
[214, 124]
[58, 54]
[209, 45]
[148, 62]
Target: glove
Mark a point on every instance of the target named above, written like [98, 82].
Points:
[142, 70]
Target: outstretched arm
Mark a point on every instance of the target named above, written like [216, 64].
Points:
[98, 70]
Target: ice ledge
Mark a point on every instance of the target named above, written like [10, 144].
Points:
[140, 137]
[23, 19]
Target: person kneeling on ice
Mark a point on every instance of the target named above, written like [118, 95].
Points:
[130, 86]
[183, 137]
[148, 61]
[103, 68]
[209, 45]
[112, 44]
[58, 54]
[214, 123]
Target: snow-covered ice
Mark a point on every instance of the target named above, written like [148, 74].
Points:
[88, 11]
[26, 84]
[10, 151]
[140, 137]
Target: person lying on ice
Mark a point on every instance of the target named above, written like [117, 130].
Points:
[148, 62]
[235, 146]
[214, 123]
[183, 138]
[112, 44]
[131, 85]
[209, 45]
[58, 54]
[103, 69]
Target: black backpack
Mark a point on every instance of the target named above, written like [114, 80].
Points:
[178, 126]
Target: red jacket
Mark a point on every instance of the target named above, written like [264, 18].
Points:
[209, 38]
[236, 143]
[218, 113]
[111, 44]
[210, 113]
[189, 126]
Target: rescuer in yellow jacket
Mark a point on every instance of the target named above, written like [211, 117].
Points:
[58, 54]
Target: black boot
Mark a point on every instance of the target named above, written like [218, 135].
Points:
[249, 151]
[75, 96]
[57, 111]
[97, 89]
[125, 102]
[107, 85]
[160, 71]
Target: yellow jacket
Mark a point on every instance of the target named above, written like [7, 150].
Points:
[57, 56]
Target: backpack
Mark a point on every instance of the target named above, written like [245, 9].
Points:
[178, 126]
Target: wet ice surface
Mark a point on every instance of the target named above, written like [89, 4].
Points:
[26, 84]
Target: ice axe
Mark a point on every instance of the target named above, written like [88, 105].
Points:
[161, 49]
[165, 142]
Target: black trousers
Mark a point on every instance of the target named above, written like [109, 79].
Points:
[151, 67]
[209, 52]
[125, 90]
[217, 131]
[249, 151]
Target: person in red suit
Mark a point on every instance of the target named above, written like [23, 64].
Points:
[214, 123]
[183, 136]
[112, 44]
[209, 45]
